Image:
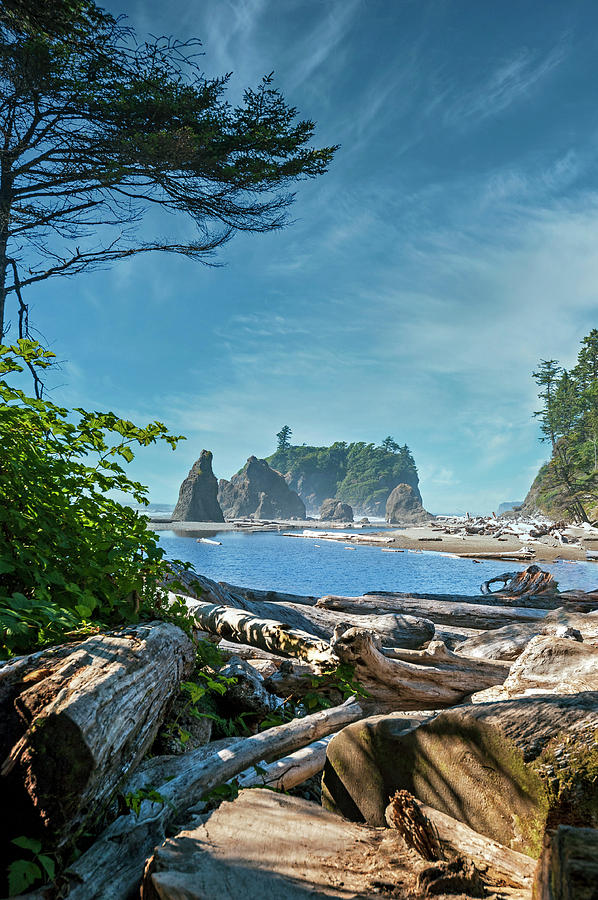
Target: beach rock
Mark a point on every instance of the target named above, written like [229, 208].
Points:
[333, 510]
[259, 491]
[404, 506]
[508, 770]
[198, 495]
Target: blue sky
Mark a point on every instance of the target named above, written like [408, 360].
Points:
[453, 244]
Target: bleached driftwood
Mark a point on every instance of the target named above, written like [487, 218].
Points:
[286, 773]
[413, 679]
[492, 858]
[395, 629]
[467, 615]
[87, 716]
[267, 634]
[508, 643]
[111, 869]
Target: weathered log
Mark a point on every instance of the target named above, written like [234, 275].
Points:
[396, 630]
[267, 634]
[286, 773]
[493, 859]
[508, 643]
[552, 664]
[247, 693]
[87, 717]
[508, 770]
[568, 867]
[414, 679]
[515, 555]
[532, 582]
[111, 869]
[268, 596]
[268, 846]
[468, 615]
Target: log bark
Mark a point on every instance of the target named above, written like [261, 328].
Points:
[508, 770]
[413, 679]
[568, 867]
[467, 615]
[87, 717]
[491, 858]
[111, 869]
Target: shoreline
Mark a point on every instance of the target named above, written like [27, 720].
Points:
[408, 537]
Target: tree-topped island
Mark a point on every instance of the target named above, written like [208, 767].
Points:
[360, 474]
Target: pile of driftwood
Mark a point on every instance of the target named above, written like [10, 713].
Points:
[523, 528]
[79, 720]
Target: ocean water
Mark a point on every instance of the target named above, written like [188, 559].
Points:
[317, 567]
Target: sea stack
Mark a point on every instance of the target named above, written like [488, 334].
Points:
[198, 495]
[259, 491]
[404, 507]
[333, 510]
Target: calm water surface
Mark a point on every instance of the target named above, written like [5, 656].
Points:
[312, 566]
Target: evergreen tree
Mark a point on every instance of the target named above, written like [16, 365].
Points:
[283, 438]
[98, 128]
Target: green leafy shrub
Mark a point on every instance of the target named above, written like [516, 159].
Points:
[72, 558]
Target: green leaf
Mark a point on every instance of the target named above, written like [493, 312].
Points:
[26, 843]
[22, 873]
[48, 864]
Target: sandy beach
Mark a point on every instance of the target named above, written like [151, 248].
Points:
[546, 549]
[413, 537]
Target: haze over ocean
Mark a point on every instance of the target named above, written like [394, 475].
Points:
[453, 244]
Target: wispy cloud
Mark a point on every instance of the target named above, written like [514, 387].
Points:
[512, 81]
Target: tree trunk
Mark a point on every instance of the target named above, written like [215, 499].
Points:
[492, 858]
[268, 596]
[508, 643]
[88, 714]
[267, 634]
[467, 615]
[267, 846]
[112, 868]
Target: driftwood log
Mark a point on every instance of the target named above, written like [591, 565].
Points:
[568, 867]
[268, 846]
[549, 664]
[413, 679]
[508, 643]
[494, 860]
[395, 629]
[236, 625]
[532, 582]
[468, 615]
[507, 770]
[86, 716]
[111, 869]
